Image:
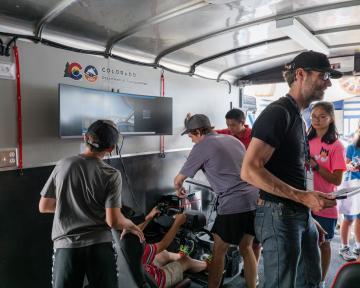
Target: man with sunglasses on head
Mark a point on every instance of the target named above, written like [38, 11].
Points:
[220, 158]
[85, 194]
[275, 163]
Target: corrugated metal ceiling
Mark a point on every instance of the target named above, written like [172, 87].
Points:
[217, 39]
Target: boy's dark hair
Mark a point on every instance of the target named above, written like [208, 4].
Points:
[102, 134]
[202, 131]
[236, 114]
[331, 134]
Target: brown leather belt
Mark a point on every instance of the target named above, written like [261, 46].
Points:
[262, 202]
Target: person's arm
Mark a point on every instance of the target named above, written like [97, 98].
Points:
[47, 205]
[350, 150]
[337, 162]
[178, 184]
[254, 172]
[47, 202]
[350, 167]
[193, 164]
[333, 178]
[321, 232]
[116, 220]
[180, 219]
[149, 217]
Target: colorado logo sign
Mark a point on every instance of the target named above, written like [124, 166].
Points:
[91, 73]
[72, 70]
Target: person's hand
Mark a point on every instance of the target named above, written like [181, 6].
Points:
[129, 227]
[313, 162]
[321, 232]
[180, 219]
[181, 192]
[178, 185]
[153, 213]
[350, 167]
[317, 201]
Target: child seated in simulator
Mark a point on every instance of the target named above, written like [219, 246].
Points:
[165, 267]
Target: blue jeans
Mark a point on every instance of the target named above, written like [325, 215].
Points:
[290, 246]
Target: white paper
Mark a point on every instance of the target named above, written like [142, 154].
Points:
[309, 180]
[346, 191]
[350, 205]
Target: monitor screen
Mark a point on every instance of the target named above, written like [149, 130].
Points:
[133, 114]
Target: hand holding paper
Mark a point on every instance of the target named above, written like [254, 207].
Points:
[346, 192]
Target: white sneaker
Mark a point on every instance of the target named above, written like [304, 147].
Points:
[346, 254]
[356, 251]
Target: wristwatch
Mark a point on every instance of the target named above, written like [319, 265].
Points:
[316, 167]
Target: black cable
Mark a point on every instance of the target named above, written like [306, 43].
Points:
[2, 48]
[129, 185]
[11, 41]
[107, 55]
[117, 147]
[68, 48]
[6, 50]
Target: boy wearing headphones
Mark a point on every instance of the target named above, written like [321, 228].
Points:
[84, 192]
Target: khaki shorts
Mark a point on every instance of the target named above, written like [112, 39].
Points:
[173, 273]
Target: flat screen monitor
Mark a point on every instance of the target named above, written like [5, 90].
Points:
[133, 114]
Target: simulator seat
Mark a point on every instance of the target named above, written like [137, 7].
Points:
[348, 276]
[131, 271]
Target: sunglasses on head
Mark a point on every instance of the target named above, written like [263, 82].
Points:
[325, 75]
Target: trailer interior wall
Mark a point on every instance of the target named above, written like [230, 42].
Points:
[42, 69]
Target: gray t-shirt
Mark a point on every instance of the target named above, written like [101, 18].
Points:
[83, 187]
[220, 157]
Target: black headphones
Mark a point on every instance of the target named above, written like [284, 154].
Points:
[94, 126]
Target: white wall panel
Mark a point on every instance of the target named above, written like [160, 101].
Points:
[42, 69]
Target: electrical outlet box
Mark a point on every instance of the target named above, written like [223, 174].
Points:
[7, 70]
[8, 157]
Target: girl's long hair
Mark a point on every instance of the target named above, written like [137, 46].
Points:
[331, 134]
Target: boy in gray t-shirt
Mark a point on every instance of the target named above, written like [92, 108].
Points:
[85, 194]
[220, 158]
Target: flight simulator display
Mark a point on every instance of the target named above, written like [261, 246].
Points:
[133, 114]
